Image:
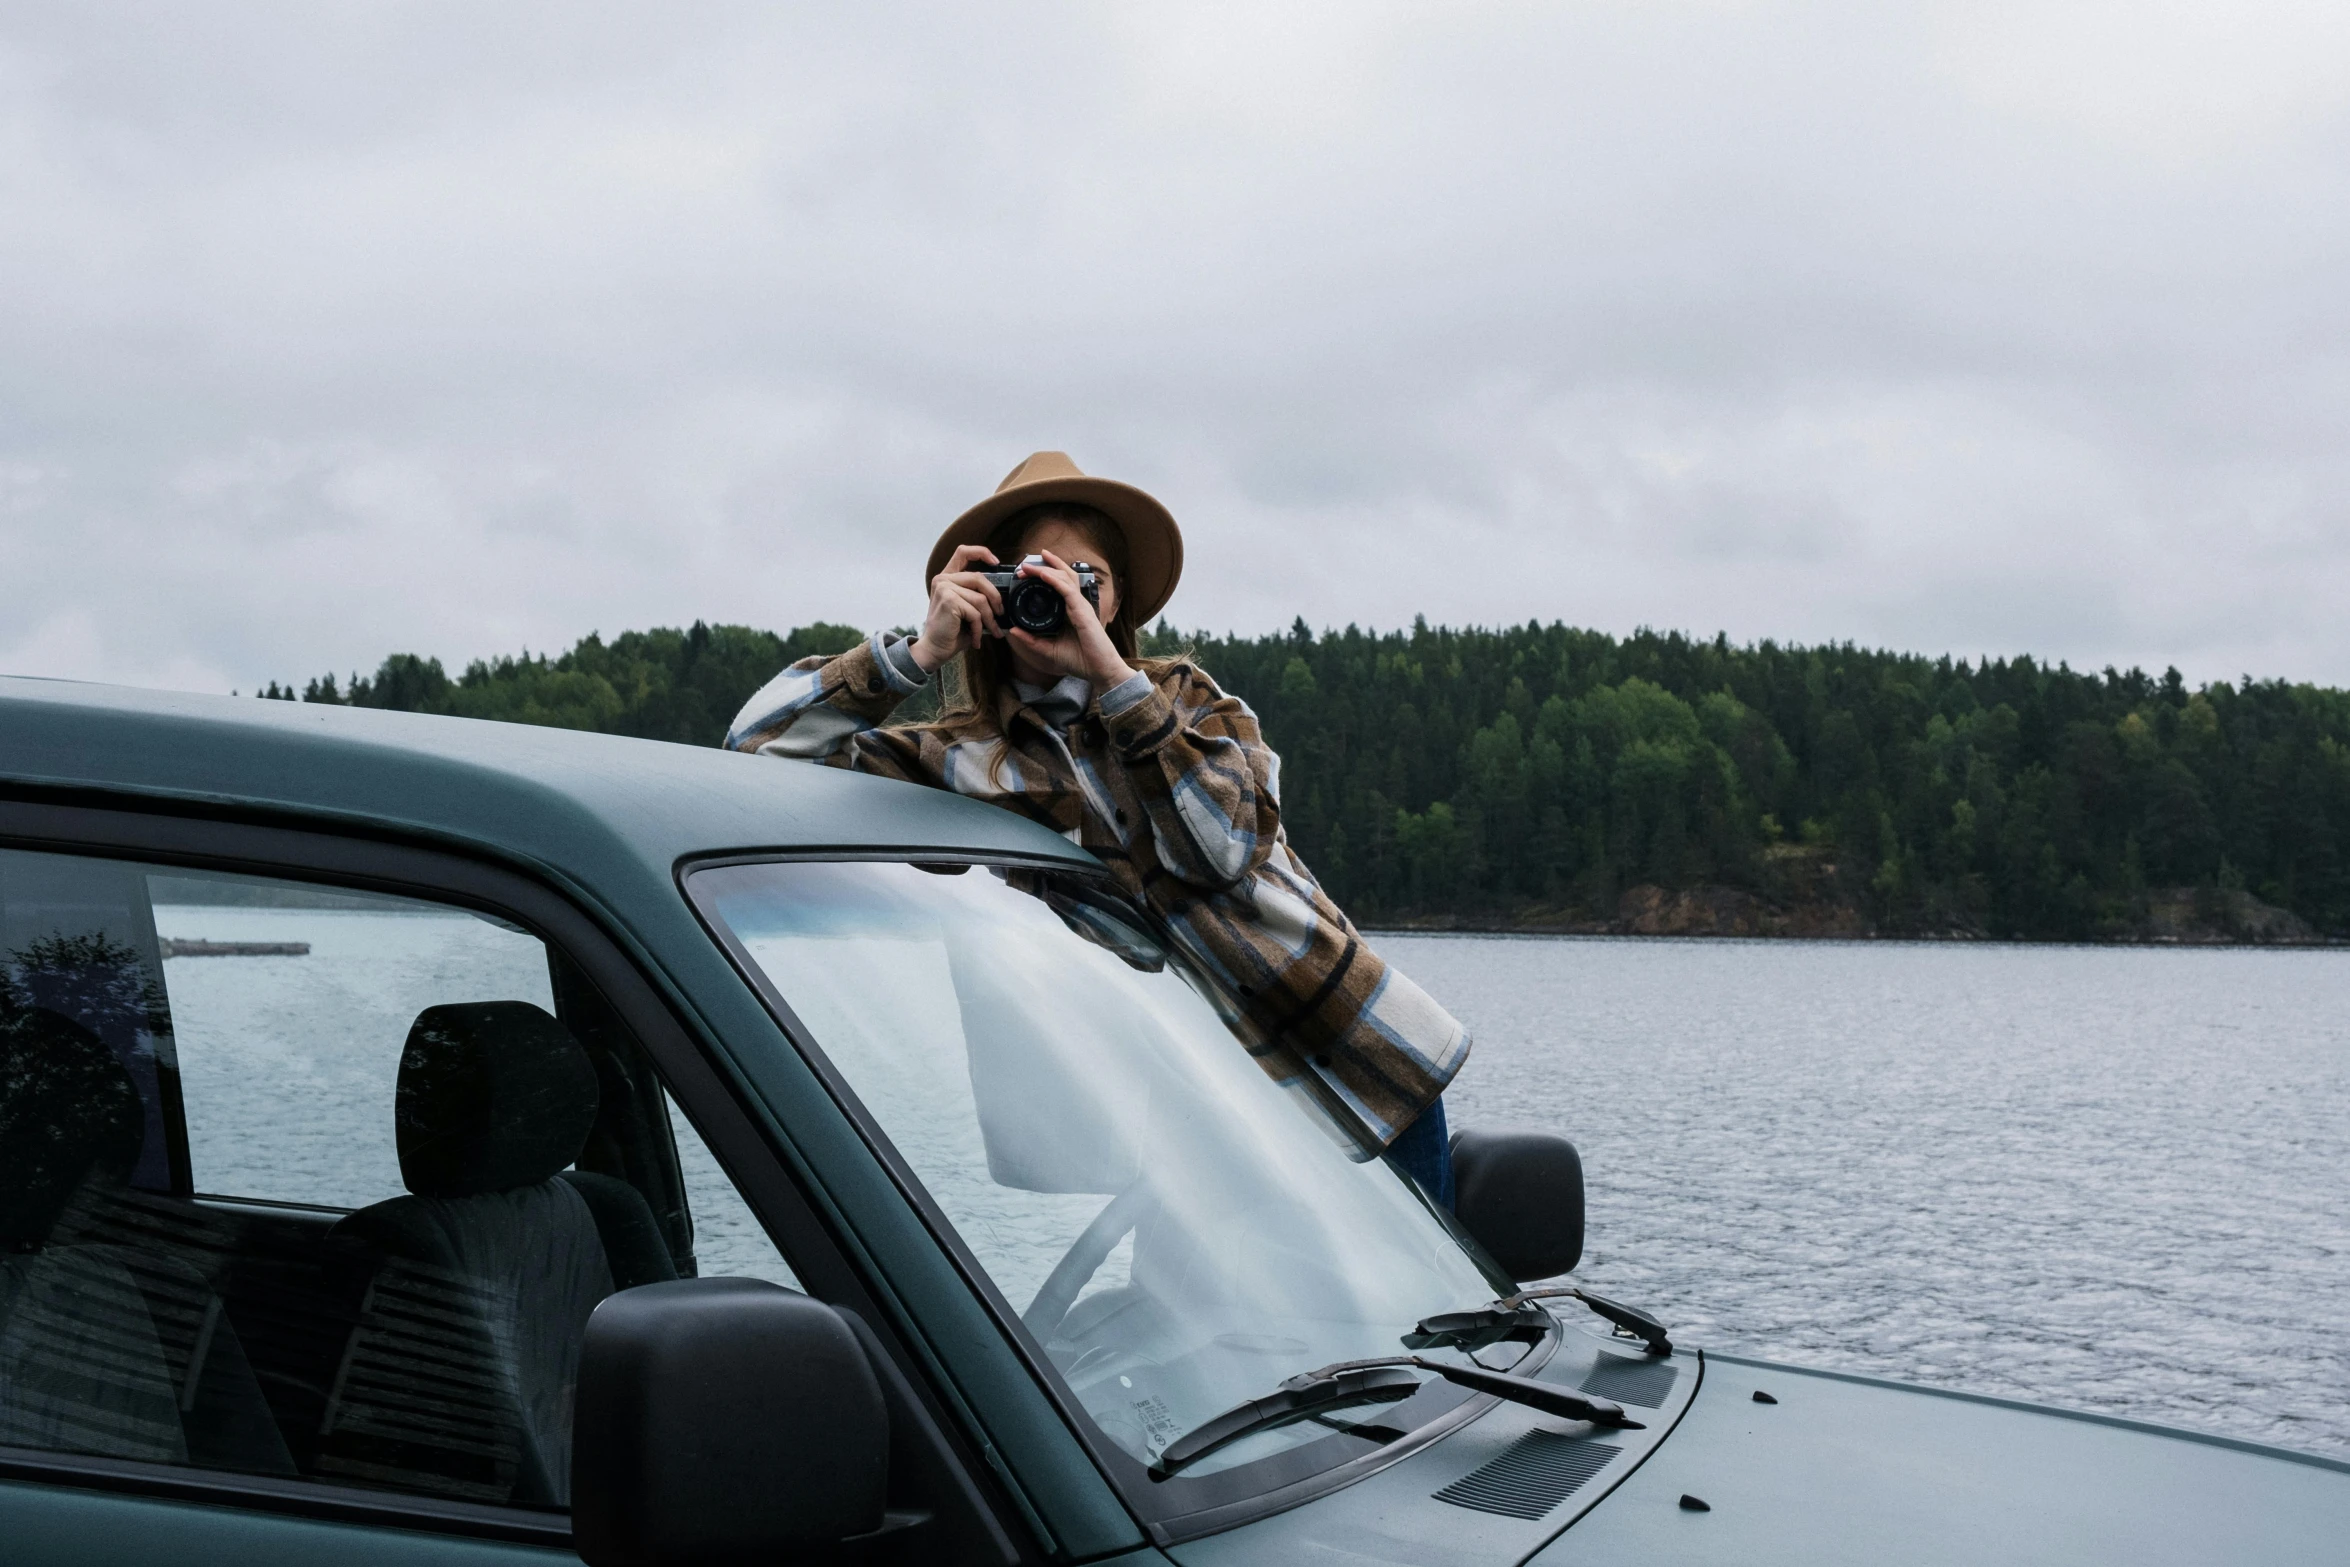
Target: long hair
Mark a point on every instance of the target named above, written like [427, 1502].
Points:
[978, 676]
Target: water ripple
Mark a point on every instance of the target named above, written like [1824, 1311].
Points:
[2110, 1179]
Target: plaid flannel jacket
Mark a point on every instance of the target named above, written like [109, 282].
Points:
[1168, 782]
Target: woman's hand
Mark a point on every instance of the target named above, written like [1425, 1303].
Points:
[1085, 648]
[963, 609]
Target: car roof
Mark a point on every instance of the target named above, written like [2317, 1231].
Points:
[558, 797]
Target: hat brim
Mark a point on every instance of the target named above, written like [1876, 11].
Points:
[1154, 545]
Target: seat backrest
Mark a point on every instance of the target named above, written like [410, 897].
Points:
[491, 1265]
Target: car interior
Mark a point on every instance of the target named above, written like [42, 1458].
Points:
[426, 1343]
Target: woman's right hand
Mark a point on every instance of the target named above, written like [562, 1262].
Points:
[963, 609]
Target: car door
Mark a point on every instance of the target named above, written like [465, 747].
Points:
[317, 1154]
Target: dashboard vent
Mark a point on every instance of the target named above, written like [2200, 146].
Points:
[1647, 1383]
[1533, 1475]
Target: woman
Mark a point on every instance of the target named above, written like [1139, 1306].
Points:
[1143, 762]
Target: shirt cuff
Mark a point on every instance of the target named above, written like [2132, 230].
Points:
[1143, 725]
[1125, 694]
[895, 656]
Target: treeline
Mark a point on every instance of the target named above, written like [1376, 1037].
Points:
[659, 685]
[1539, 772]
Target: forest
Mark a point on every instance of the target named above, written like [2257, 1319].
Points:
[1546, 777]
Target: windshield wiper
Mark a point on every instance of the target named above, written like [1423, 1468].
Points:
[1479, 1327]
[1516, 1316]
[1311, 1392]
[1382, 1381]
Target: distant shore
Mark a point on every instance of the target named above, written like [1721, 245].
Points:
[2167, 917]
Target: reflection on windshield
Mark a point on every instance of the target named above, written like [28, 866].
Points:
[1177, 1228]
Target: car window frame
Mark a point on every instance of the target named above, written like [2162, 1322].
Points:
[699, 1081]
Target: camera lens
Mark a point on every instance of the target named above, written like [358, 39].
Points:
[1036, 607]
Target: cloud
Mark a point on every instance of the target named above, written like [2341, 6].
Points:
[1982, 328]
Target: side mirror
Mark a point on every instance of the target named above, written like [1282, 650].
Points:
[722, 1420]
[1521, 1195]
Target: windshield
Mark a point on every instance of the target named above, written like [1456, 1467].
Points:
[1178, 1227]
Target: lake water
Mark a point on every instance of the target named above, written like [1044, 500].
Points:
[2107, 1178]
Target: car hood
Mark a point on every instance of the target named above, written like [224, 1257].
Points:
[1840, 1469]
[1852, 1469]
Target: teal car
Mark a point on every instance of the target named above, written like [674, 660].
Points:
[434, 1141]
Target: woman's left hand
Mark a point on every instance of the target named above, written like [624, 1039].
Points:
[1085, 648]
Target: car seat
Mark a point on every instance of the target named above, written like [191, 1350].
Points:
[459, 1371]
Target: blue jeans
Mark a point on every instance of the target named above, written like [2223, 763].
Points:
[1423, 1151]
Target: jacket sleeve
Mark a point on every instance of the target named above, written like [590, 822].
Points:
[1207, 780]
[830, 710]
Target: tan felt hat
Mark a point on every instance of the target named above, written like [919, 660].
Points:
[1154, 545]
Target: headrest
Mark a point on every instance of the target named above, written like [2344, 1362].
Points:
[69, 1116]
[493, 1095]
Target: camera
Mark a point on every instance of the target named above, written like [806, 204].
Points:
[1034, 605]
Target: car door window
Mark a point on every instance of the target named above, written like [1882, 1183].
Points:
[289, 1008]
[308, 1181]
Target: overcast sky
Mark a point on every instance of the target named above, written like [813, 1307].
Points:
[329, 330]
